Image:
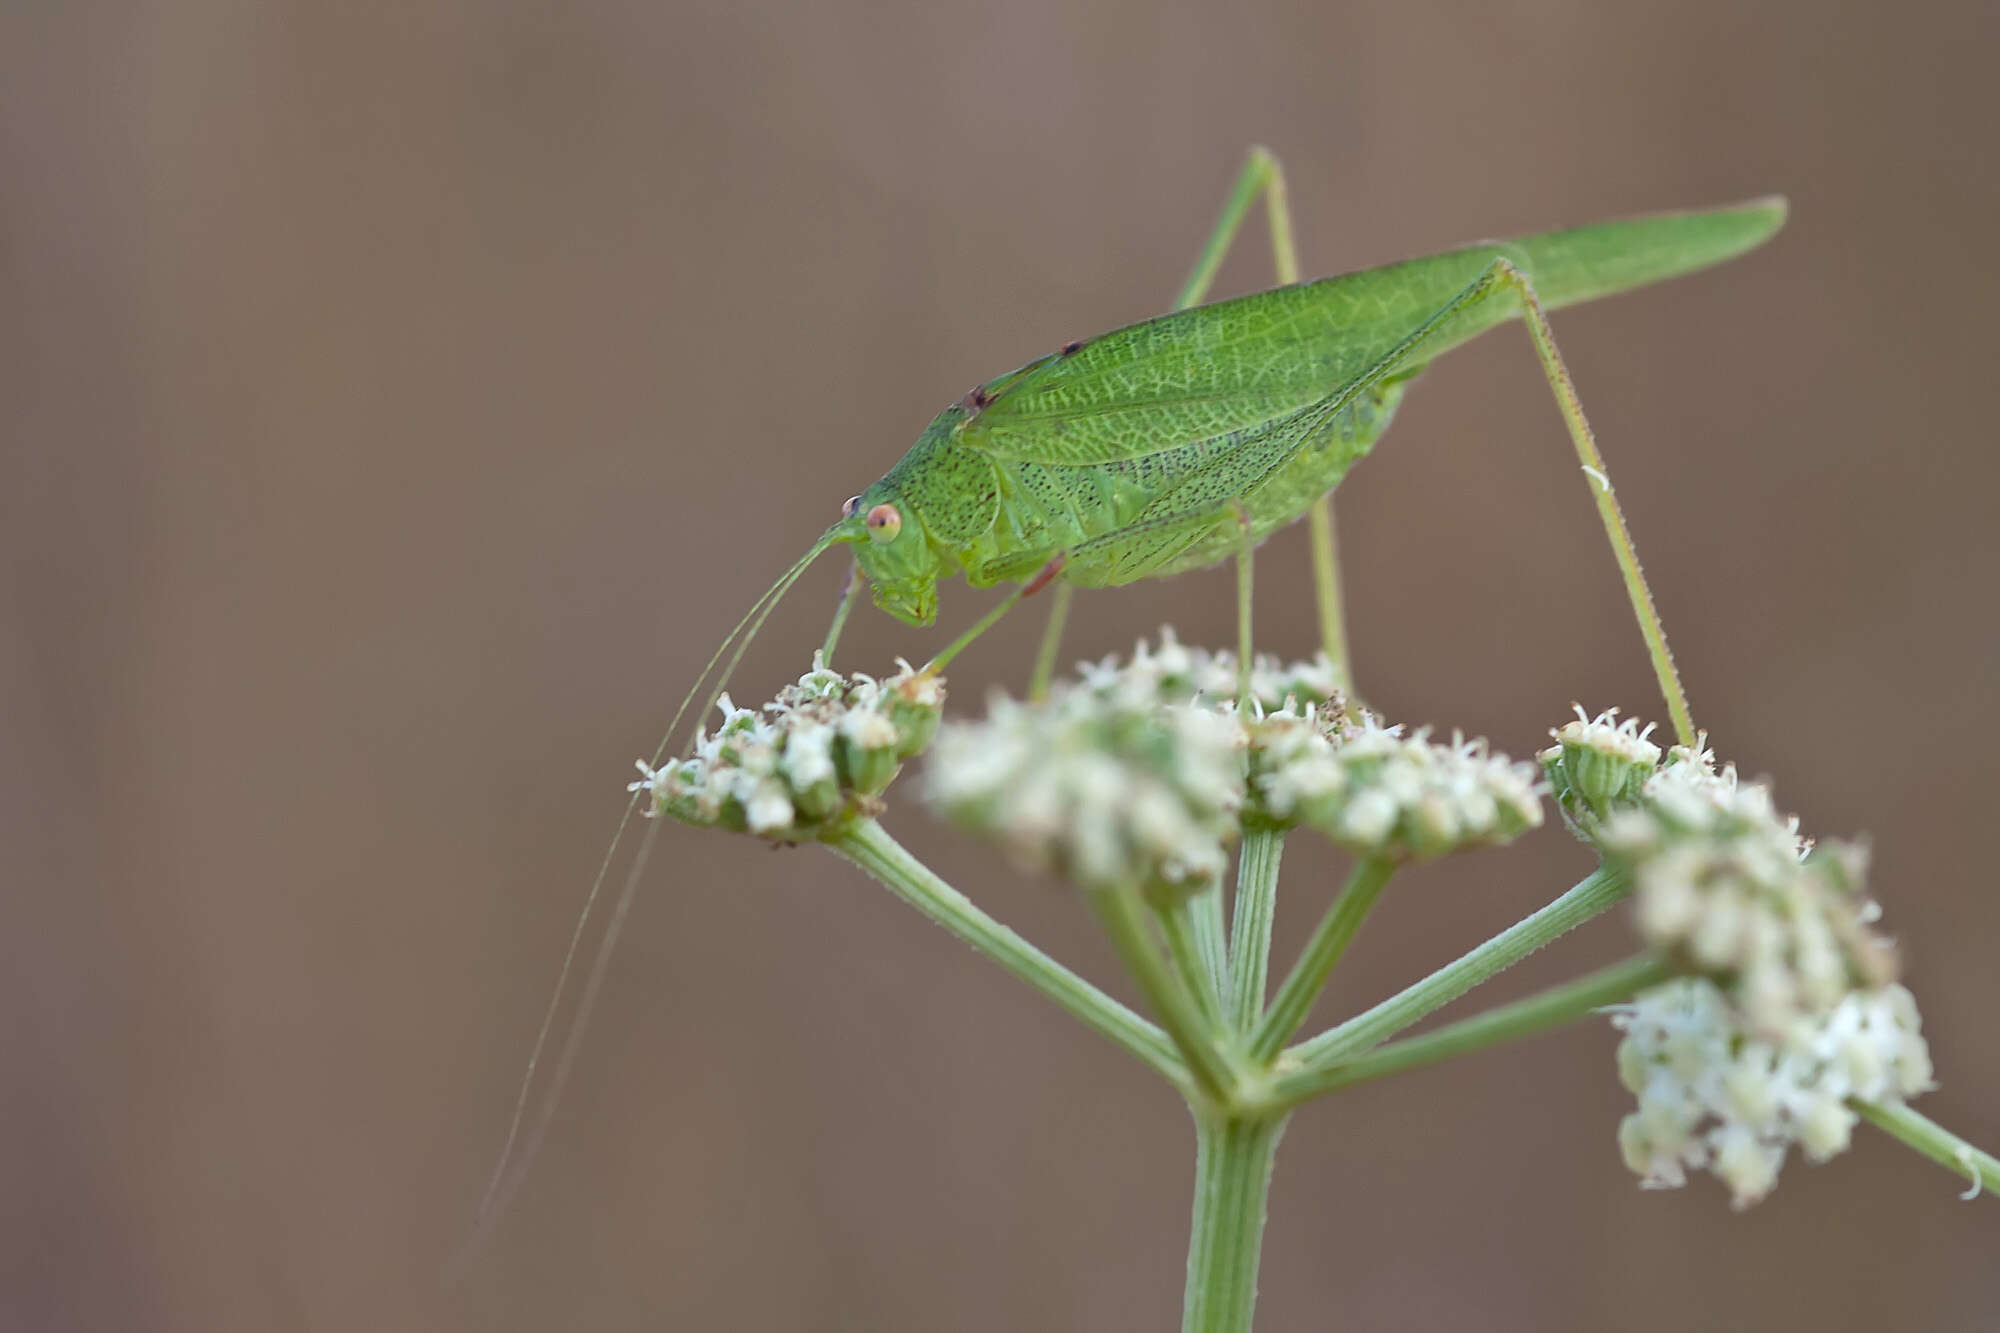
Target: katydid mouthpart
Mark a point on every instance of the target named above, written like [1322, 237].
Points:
[1178, 442]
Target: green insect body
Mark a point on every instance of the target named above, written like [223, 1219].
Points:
[1139, 453]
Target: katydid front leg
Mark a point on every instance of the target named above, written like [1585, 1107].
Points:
[1049, 573]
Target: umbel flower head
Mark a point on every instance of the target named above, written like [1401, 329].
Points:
[1793, 1010]
[1107, 788]
[1314, 763]
[1712, 1095]
[1375, 791]
[1174, 673]
[1141, 772]
[826, 745]
[1724, 882]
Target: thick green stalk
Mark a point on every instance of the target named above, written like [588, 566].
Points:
[1595, 893]
[1250, 936]
[868, 845]
[1915, 1130]
[1508, 1022]
[1232, 1181]
[1336, 930]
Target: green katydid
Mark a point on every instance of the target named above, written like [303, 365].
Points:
[1175, 443]
[1178, 442]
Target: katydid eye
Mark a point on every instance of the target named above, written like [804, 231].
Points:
[884, 523]
[853, 503]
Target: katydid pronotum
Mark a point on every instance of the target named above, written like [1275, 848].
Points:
[1188, 439]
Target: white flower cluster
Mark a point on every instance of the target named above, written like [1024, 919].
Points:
[825, 745]
[1377, 792]
[1140, 772]
[1107, 791]
[1714, 1096]
[1722, 880]
[1174, 673]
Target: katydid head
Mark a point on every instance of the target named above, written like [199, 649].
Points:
[895, 555]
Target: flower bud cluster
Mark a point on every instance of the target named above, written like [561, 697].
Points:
[1377, 792]
[1107, 787]
[1598, 765]
[1713, 1095]
[1723, 881]
[825, 745]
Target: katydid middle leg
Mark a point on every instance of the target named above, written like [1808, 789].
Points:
[1245, 604]
[1261, 177]
[1052, 631]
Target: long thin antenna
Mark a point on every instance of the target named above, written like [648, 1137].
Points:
[500, 1190]
[753, 620]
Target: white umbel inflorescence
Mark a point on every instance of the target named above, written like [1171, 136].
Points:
[1105, 789]
[1723, 881]
[827, 744]
[1140, 772]
[1375, 791]
[1174, 673]
[1793, 1011]
[1715, 1096]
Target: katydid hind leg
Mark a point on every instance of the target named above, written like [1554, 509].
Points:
[1610, 512]
[1504, 278]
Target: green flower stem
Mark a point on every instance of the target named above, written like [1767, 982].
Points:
[1128, 922]
[1232, 1180]
[1934, 1141]
[1595, 893]
[1191, 959]
[868, 845]
[1250, 936]
[1211, 938]
[1336, 930]
[1523, 1018]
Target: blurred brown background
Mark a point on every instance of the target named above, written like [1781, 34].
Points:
[399, 401]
